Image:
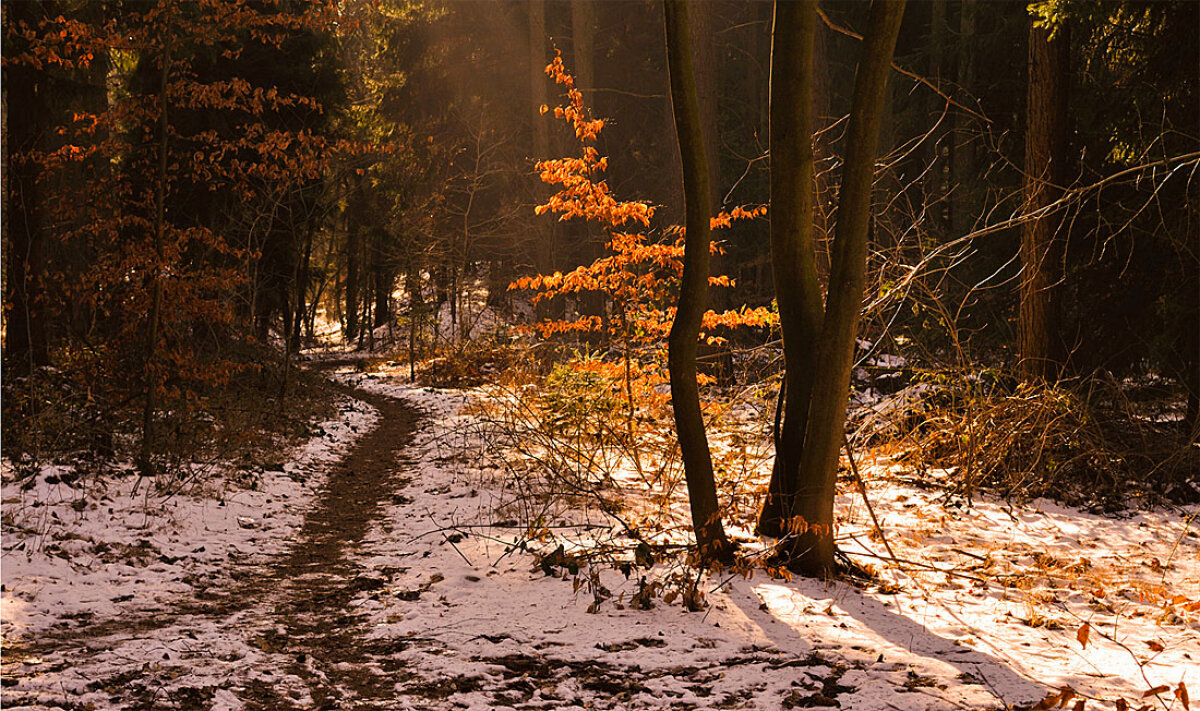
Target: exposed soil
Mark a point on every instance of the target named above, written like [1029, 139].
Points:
[298, 604]
[315, 583]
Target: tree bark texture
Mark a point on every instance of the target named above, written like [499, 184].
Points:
[25, 345]
[962, 203]
[355, 224]
[812, 549]
[1039, 342]
[151, 404]
[793, 258]
[685, 330]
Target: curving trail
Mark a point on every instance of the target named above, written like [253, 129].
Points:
[316, 581]
[294, 608]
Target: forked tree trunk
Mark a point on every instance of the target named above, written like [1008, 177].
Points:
[793, 254]
[1039, 341]
[685, 330]
[811, 551]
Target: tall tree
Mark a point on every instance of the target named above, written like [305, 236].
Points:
[800, 501]
[25, 87]
[793, 257]
[691, 305]
[812, 550]
[1039, 341]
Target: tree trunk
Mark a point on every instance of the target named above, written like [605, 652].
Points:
[354, 226]
[935, 177]
[822, 108]
[301, 285]
[793, 258]
[25, 345]
[544, 256]
[812, 550]
[145, 465]
[962, 205]
[385, 280]
[416, 314]
[703, 38]
[583, 29]
[685, 330]
[1039, 342]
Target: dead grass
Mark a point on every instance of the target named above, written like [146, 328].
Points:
[1087, 443]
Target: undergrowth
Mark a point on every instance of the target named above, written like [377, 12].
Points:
[1090, 443]
[58, 417]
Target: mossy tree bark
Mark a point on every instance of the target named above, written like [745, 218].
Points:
[685, 330]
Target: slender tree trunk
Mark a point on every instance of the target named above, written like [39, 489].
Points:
[812, 550]
[354, 225]
[685, 330]
[416, 311]
[301, 285]
[25, 345]
[145, 464]
[962, 205]
[935, 178]
[793, 257]
[385, 281]
[1039, 341]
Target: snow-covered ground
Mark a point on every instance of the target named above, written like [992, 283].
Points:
[988, 611]
[987, 615]
[120, 571]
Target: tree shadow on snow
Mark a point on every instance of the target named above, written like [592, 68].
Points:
[882, 622]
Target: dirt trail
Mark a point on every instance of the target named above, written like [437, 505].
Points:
[296, 608]
[317, 580]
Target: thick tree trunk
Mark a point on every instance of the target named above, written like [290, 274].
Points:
[812, 550]
[1039, 341]
[544, 247]
[822, 108]
[793, 258]
[703, 38]
[25, 345]
[685, 330]
[583, 30]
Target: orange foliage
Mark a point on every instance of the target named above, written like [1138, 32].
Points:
[243, 154]
[640, 276]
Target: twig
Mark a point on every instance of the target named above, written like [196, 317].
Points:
[912, 75]
[862, 489]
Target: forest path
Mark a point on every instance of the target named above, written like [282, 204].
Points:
[313, 585]
[279, 633]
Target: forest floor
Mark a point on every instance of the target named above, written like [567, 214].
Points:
[371, 571]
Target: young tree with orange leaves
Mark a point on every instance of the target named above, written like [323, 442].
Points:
[641, 279]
